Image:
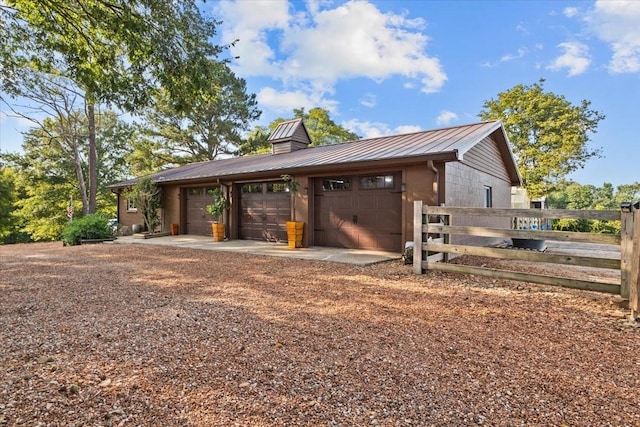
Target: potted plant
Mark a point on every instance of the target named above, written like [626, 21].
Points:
[295, 229]
[216, 209]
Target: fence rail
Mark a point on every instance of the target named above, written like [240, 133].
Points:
[432, 246]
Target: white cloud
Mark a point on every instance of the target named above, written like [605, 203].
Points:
[321, 45]
[575, 58]
[377, 129]
[407, 129]
[445, 117]
[510, 56]
[570, 12]
[368, 100]
[522, 28]
[244, 22]
[285, 101]
[616, 22]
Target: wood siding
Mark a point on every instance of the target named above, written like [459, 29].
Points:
[287, 147]
[465, 187]
[486, 157]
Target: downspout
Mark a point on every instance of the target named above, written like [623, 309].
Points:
[118, 192]
[436, 186]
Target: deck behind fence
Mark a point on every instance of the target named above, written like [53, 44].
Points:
[432, 245]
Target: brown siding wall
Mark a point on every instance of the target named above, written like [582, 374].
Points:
[486, 157]
[169, 213]
[287, 147]
[465, 187]
[171, 206]
[421, 184]
[128, 218]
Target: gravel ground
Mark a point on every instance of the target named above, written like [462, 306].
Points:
[133, 335]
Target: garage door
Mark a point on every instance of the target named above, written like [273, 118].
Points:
[198, 219]
[362, 212]
[265, 207]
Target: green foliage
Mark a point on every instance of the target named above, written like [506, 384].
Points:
[10, 224]
[7, 202]
[117, 51]
[576, 196]
[209, 123]
[572, 224]
[291, 184]
[256, 143]
[146, 196]
[548, 134]
[219, 204]
[53, 168]
[322, 129]
[87, 227]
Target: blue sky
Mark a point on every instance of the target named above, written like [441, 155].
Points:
[384, 67]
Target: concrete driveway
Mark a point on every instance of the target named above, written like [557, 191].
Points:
[348, 256]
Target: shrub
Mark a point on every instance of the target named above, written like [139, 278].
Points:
[146, 195]
[86, 227]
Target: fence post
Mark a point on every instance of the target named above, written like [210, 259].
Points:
[626, 248]
[634, 278]
[417, 237]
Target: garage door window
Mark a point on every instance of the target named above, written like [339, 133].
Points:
[379, 181]
[277, 187]
[336, 184]
[252, 188]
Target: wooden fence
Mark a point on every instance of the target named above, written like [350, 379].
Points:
[432, 246]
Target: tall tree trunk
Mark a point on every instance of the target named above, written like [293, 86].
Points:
[93, 158]
[80, 175]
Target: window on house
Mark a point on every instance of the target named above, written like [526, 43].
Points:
[379, 181]
[131, 206]
[252, 188]
[336, 184]
[488, 197]
[277, 187]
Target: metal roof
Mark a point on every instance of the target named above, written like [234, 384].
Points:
[454, 141]
[285, 130]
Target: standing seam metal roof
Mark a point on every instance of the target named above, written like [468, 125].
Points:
[457, 140]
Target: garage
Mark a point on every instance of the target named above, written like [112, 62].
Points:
[265, 207]
[363, 212]
[198, 219]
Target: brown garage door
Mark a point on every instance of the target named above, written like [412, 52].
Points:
[362, 212]
[198, 219]
[265, 207]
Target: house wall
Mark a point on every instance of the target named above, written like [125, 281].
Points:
[170, 207]
[169, 213]
[454, 183]
[421, 184]
[126, 217]
[465, 187]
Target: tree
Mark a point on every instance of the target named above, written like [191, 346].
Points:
[47, 173]
[206, 125]
[322, 129]
[8, 198]
[548, 134]
[146, 195]
[257, 142]
[115, 51]
[627, 193]
[572, 195]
